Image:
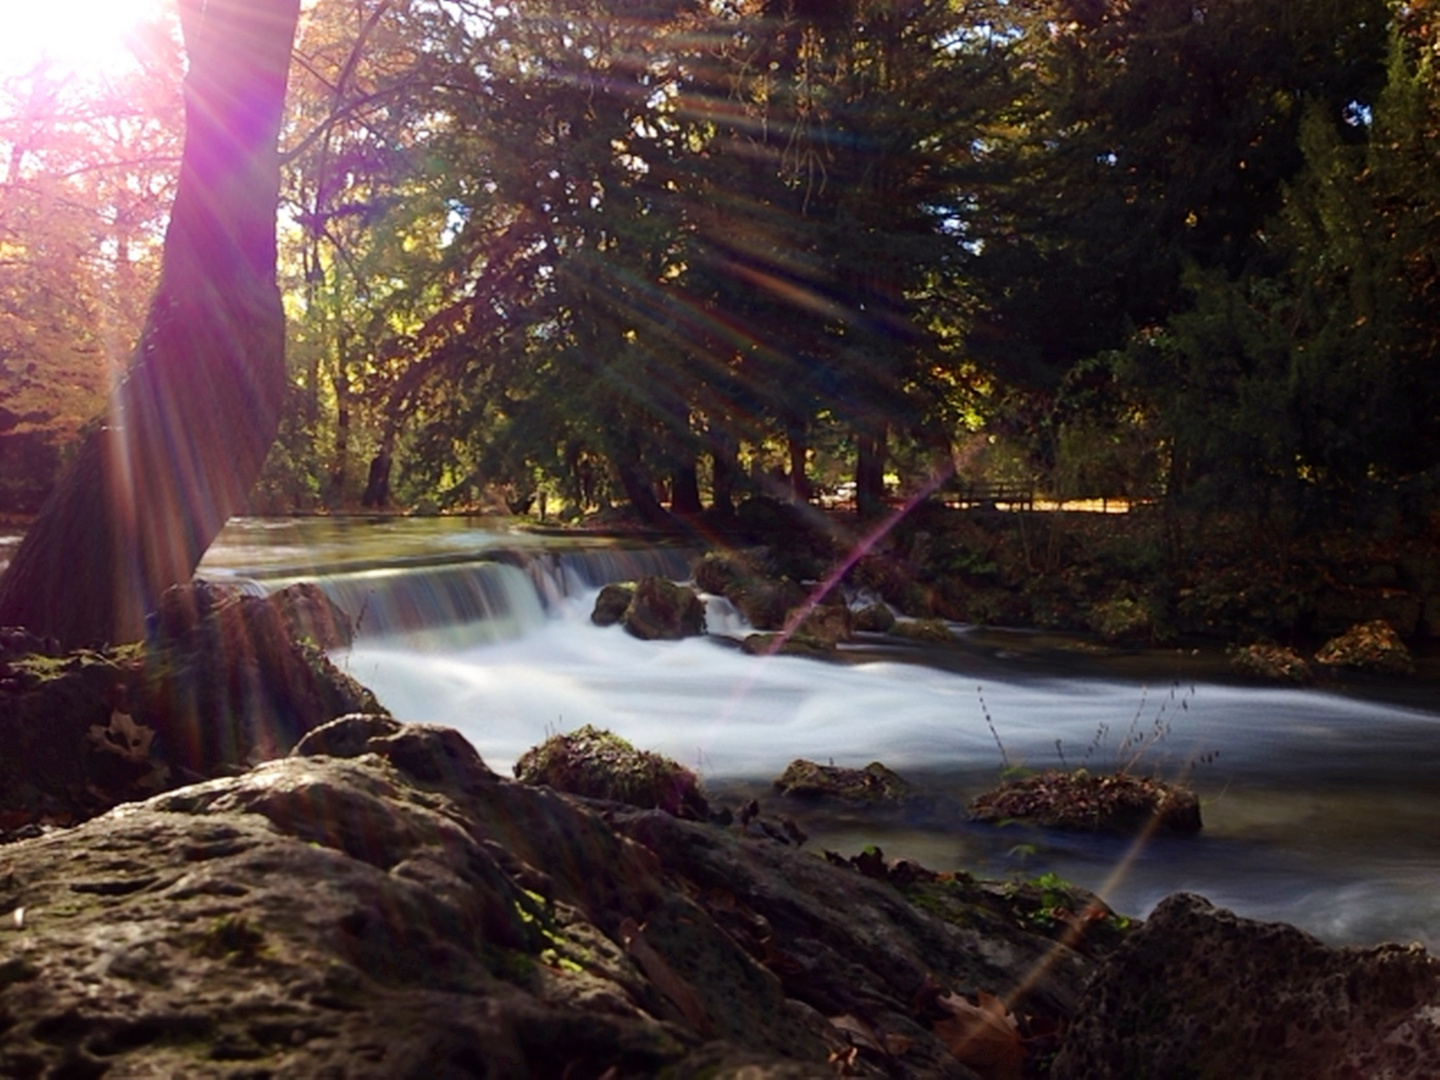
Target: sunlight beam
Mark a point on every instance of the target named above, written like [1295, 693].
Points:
[80, 37]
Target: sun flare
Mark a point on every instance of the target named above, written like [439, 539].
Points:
[79, 35]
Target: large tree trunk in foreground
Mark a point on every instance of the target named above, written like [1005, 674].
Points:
[189, 427]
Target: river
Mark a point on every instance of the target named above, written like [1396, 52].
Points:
[1321, 808]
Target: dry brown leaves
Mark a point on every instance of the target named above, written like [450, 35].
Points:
[985, 1037]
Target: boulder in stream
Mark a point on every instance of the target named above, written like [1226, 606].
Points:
[601, 765]
[718, 572]
[1082, 801]
[612, 603]
[929, 630]
[654, 608]
[764, 603]
[1372, 646]
[1273, 662]
[874, 618]
[830, 623]
[873, 785]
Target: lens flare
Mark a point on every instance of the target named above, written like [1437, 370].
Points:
[78, 36]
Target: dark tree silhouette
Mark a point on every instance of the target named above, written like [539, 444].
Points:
[189, 427]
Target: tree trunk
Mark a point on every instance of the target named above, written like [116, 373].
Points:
[340, 465]
[724, 473]
[685, 490]
[377, 484]
[636, 482]
[870, 474]
[799, 482]
[189, 427]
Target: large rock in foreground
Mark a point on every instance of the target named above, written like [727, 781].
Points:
[1199, 992]
[393, 909]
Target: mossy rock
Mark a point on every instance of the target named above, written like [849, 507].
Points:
[892, 579]
[610, 605]
[831, 623]
[934, 630]
[663, 610]
[1273, 662]
[874, 619]
[599, 764]
[1080, 801]
[718, 572]
[1373, 646]
[73, 747]
[873, 784]
[766, 604]
[787, 645]
[651, 609]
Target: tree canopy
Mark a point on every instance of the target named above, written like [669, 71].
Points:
[674, 251]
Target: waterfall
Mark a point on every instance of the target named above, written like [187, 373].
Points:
[449, 601]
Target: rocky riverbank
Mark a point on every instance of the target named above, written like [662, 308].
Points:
[381, 904]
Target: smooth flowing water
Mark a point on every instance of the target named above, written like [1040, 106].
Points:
[1321, 809]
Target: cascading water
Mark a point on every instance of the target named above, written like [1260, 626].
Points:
[447, 598]
[1320, 810]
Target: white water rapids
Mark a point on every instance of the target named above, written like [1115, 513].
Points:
[1321, 810]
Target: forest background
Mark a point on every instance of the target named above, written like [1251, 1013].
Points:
[673, 253]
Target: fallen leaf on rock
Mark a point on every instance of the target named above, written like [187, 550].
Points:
[860, 1034]
[983, 1037]
[676, 989]
[123, 736]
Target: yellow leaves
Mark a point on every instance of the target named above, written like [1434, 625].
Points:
[984, 1037]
